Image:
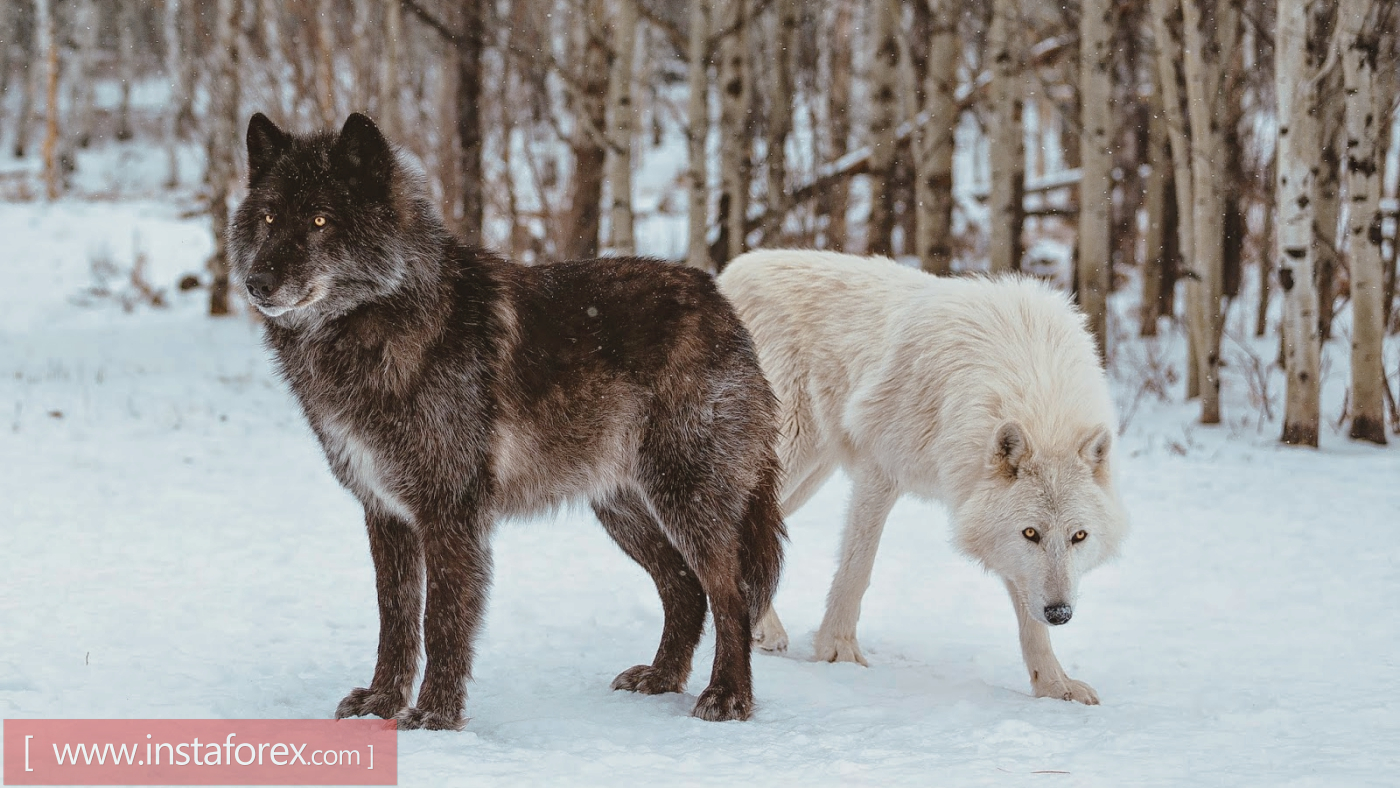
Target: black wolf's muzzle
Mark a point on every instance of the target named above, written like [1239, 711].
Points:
[261, 285]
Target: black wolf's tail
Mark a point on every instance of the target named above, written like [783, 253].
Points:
[761, 555]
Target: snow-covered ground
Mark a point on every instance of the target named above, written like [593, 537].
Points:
[172, 545]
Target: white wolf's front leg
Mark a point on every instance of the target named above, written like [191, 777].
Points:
[769, 635]
[1048, 679]
[871, 500]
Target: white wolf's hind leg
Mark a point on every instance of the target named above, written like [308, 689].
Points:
[871, 500]
[1048, 679]
[769, 635]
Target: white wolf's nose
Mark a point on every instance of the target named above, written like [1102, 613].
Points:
[1058, 614]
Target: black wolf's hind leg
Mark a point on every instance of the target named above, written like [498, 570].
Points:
[708, 539]
[398, 575]
[627, 520]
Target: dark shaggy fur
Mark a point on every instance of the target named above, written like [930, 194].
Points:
[450, 388]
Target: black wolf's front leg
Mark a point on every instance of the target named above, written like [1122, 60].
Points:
[458, 559]
[398, 574]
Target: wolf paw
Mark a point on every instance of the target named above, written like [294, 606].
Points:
[647, 680]
[718, 704]
[1066, 688]
[769, 639]
[839, 648]
[422, 719]
[363, 702]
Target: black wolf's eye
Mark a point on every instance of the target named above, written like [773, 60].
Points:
[1079, 536]
[319, 221]
[268, 218]
[1031, 534]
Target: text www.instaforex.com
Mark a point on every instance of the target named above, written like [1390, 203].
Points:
[200, 752]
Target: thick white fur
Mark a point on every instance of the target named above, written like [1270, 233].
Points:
[985, 394]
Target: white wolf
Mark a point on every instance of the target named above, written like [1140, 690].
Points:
[985, 394]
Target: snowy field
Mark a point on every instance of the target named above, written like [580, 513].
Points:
[172, 545]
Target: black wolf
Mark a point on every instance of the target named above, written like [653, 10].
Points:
[450, 388]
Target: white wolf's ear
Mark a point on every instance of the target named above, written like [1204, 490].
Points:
[1009, 449]
[361, 154]
[1095, 449]
[266, 144]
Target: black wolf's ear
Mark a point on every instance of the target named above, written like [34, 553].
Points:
[1009, 449]
[361, 154]
[266, 143]
[1095, 449]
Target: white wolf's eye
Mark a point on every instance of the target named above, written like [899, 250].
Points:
[319, 221]
[1031, 534]
[1079, 536]
[268, 218]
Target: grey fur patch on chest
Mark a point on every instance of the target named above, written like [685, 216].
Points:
[356, 466]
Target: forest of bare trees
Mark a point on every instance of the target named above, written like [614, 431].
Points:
[1174, 149]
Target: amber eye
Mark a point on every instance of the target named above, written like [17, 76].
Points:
[1031, 534]
[319, 221]
[268, 218]
[1079, 536]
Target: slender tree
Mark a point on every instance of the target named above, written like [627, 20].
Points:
[1360, 50]
[1096, 98]
[697, 131]
[1296, 80]
[48, 30]
[734, 80]
[622, 122]
[934, 161]
[1006, 144]
[1210, 33]
[223, 142]
[884, 118]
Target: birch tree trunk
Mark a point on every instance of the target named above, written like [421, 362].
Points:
[836, 201]
[697, 131]
[325, 63]
[223, 142]
[1208, 51]
[590, 155]
[47, 30]
[1096, 165]
[82, 74]
[1297, 161]
[364, 61]
[1005, 140]
[388, 101]
[1327, 188]
[623, 126]
[126, 57]
[1360, 49]
[1165, 16]
[884, 117]
[780, 108]
[934, 157]
[1155, 264]
[470, 138]
[30, 50]
[734, 125]
[174, 72]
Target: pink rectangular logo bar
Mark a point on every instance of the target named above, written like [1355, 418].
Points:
[201, 752]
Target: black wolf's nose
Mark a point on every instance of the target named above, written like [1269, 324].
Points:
[1058, 614]
[261, 285]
